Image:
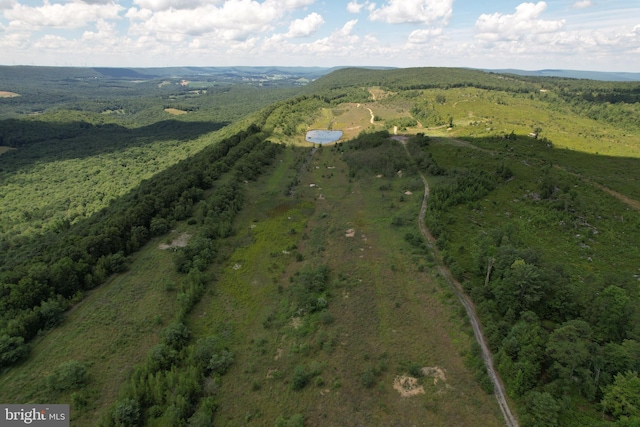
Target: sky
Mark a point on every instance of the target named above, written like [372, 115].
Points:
[595, 35]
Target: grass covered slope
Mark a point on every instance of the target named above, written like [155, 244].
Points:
[333, 313]
[330, 314]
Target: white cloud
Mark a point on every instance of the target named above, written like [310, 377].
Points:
[583, 4]
[6, 4]
[425, 36]
[523, 23]
[306, 26]
[289, 4]
[235, 20]
[346, 28]
[340, 43]
[105, 35]
[354, 7]
[138, 14]
[413, 11]
[67, 15]
[159, 5]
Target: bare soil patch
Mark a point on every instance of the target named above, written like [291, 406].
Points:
[4, 149]
[296, 322]
[179, 242]
[436, 372]
[401, 138]
[175, 111]
[407, 386]
[5, 94]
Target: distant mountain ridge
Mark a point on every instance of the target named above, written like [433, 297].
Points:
[612, 76]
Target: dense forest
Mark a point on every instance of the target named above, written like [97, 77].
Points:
[541, 237]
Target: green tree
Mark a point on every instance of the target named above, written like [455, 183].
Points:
[610, 313]
[126, 413]
[176, 335]
[521, 287]
[524, 345]
[541, 410]
[11, 349]
[568, 346]
[622, 398]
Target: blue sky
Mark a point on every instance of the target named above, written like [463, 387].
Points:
[598, 35]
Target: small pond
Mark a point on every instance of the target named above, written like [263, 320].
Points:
[323, 136]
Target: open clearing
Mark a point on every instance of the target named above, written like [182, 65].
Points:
[5, 94]
[384, 313]
[4, 149]
[179, 241]
[175, 111]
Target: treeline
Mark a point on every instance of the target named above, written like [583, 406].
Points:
[616, 103]
[40, 280]
[422, 78]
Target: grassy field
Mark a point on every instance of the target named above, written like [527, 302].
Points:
[385, 314]
[109, 331]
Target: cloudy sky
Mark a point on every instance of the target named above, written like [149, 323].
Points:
[599, 35]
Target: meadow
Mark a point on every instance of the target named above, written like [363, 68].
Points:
[305, 294]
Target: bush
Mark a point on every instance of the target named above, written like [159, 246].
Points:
[221, 362]
[368, 378]
[12, 349]
[126, 413]
[296, 420]
[176, 335]
[300, 378]
[51, 313]
[68, 376]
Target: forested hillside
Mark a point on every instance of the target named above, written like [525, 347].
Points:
[531, 201]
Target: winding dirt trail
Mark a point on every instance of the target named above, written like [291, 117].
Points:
[632, 203]
[498, 386]
[372, 116]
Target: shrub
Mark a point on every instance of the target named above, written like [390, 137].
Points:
[126, 413]
[221, 362]
[300, 378]
[368, 378]
[296, 420]
[175, 335]
[11, 349]
[67, 376]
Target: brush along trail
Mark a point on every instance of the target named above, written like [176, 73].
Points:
[469, 307]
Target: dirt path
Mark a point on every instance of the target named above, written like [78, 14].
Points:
[463, 143]
[372, 116]
[632, 203]
[498, 386]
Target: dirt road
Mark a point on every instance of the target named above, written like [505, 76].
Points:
[498, 386]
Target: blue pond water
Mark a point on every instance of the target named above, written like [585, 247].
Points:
[323, 136]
